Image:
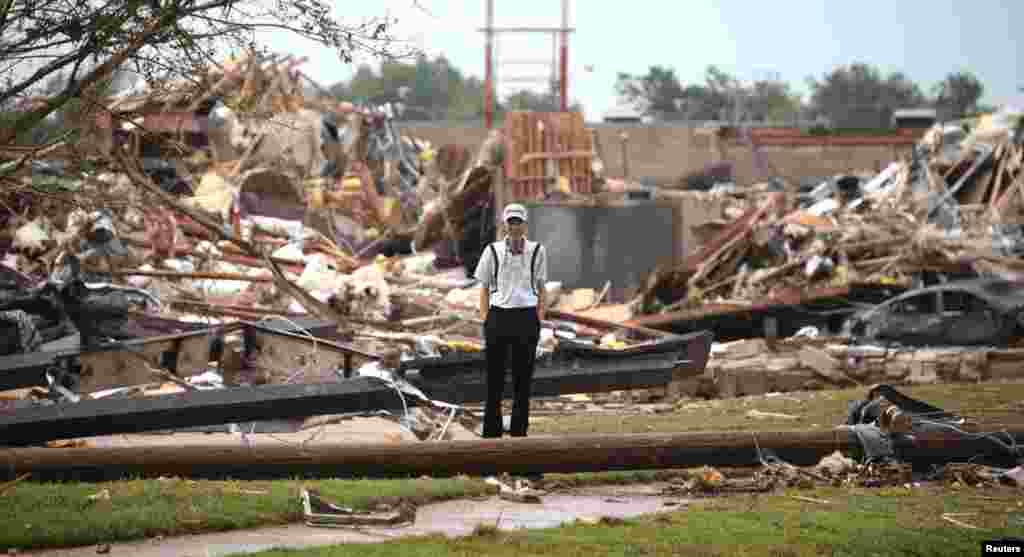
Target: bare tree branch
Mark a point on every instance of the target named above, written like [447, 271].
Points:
[47, 38]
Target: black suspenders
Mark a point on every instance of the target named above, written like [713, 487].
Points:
[533, 268]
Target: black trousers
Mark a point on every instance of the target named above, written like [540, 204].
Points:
[512, 336]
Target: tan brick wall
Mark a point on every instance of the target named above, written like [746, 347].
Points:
[665, 153]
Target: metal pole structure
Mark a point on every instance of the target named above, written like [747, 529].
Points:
[559, 68]
[564, 69]
[489, 67]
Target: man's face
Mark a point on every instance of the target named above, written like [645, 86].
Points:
[516, 227]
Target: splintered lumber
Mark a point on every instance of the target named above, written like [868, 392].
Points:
[310, 303]
[680, 278]
[445, 218]
[199, 275]
[450, 210]
[564, 454]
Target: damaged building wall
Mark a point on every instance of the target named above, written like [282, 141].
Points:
[649, 147]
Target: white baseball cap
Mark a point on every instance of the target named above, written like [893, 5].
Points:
[514, 210]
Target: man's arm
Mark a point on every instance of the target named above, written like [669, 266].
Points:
[485, 301]
[542, 280]
[483, 276]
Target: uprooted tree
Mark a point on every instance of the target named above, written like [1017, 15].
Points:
[82, 44]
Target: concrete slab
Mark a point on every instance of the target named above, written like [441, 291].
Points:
[356, 431]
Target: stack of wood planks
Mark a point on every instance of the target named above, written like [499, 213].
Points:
[541, 148]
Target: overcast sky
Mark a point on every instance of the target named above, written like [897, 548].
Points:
[751, 39]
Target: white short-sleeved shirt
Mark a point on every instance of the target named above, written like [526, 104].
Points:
[513, 289]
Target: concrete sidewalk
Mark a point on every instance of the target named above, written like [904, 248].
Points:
[451, 518]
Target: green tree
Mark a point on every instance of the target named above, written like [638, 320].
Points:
[720, 97]
[658, 91]
[858, 96]
[549, 100]
[424, 91]
[958, 95]
[396, 76]
[772, 101]
[437, 90]
[466, 99]
[725, 96]
[365, 84]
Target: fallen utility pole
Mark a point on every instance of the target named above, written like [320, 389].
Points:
[578, 453]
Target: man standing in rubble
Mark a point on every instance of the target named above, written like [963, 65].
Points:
[512, 273]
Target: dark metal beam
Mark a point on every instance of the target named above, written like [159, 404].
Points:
[240, 404]
[194, 408]
[21, 371]
[637, 372]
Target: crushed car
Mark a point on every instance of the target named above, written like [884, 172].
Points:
[976, 312]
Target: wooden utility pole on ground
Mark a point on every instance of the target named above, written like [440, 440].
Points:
[562, 454]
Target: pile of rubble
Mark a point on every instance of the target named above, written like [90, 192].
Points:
[237, 231]
[322, 186]
[752, 367]
[885, 424]
[955, 206]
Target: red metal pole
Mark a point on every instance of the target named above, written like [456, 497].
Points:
[563, 76]
[489, 68]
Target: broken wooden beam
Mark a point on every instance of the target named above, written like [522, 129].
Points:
[256, 313]
[198, 275]
[565, 155]
[563, 454]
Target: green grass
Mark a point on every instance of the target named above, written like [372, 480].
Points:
[48, 515]
[818, 409]
[892, 522]
[36, 515]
